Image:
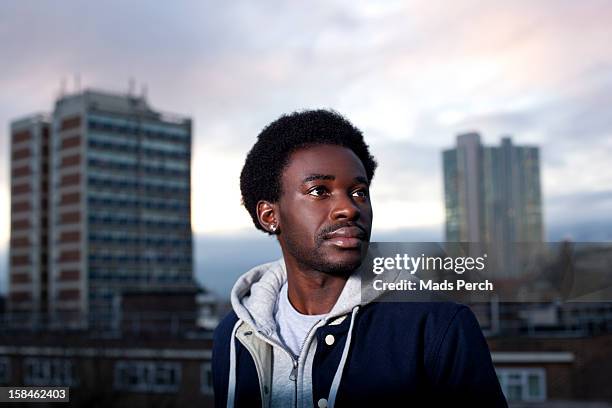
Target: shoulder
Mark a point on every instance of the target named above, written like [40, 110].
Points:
[430, 321]
[437, 313]
[221, 357]
[223, 331]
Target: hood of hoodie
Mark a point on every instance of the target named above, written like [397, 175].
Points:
[255, 293]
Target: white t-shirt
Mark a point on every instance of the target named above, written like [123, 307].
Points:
[292, 326]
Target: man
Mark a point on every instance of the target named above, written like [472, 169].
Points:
[300, 334]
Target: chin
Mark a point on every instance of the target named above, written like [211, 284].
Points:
[342, 265]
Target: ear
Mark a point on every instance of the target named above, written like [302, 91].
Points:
[266, 214]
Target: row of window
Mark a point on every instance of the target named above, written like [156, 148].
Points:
[147, 154]
[142, 214]
[128, 158]
[125, 221]
[102, 295]
[523, 384]
[135, 202]
[518, 384]
[146, 186]
[115, 234]
[120, 140]
[147, 376]
[169, 276]
[130, 226]
[146, 151]
[158, 377]
[129, 258]
[148, 170]
[135, 128]
[98, 238]
[108, 276]
[134, 180]
[151, 195]
[128, 375]
[47, 372]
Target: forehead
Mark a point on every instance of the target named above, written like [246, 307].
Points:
[338, 161]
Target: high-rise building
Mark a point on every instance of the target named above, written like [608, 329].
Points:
[493, 196]
[118, 205]
[28, 270]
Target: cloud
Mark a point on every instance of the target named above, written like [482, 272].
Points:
[411, 74]
[586, 206]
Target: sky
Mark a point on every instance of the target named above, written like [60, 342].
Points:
[410, 74]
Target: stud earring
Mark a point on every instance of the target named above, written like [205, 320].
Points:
[273, 228]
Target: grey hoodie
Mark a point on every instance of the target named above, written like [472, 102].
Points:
[284, 381]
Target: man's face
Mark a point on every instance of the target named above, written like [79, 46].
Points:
[324, 209]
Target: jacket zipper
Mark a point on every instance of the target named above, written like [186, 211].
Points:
[293, 376]
[299, 361]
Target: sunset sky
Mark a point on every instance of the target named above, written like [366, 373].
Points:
[410, 74]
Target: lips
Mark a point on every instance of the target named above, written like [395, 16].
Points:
[346, 237]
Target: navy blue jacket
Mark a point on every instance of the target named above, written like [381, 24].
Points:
[402, 354]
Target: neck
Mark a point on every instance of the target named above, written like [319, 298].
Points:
[312, 292]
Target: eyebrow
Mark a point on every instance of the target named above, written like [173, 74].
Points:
[312, 177]
[360, 179]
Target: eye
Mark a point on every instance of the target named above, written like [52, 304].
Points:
[361, 193]
[318, 191]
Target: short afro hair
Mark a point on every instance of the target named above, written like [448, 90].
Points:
[260, 178]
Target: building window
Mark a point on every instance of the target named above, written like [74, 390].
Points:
[147, 376]
[5, 370]
[523, 384]
[48, 372]
[206, 382]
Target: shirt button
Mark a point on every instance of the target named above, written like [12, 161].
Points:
[329, 340]
[322, 403]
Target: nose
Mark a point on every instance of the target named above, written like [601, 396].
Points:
[345, 208]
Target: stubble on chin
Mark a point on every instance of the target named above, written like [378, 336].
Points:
[318, 260]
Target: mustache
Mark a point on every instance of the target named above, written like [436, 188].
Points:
[331, 228]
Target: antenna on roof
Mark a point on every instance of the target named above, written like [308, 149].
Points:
[131, 86]
[62, 90]
[144, 91]
[77, 82]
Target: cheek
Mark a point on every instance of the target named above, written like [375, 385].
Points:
[366, 211]
[302, 224]
[304, 227]
[298, 234]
